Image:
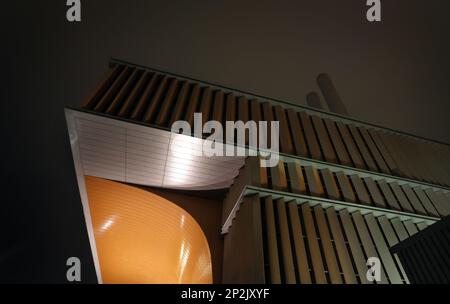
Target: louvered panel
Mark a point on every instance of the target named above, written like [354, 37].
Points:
[91, 101]
[160, 98]
[444, 161]
[324, 140]
[341, 248]
[313, 178]
[351, 146]
[341, 152]
[311, 140]
[367, 157]
[361, 192]
[167, 103]
[436, 202]
[243, 109]
[145, 97]
[406, 206]
[385, 255]
[285, 136]
[206, 105]
[406, 155]
[155, 103]
[374, 151]
[330, 184]
[313, 245]
[255, 111]
[192, 104]
[413, 200]
[268, 116]
[410, 227]
[392, 240]
[374, 192]
[333, 268]
[390, 198]
[180, 104]
[391, 145]
[421, 226]
[355, 247]
[123, 93]
[288, 263]
[272, 245]
[425, 161]
[366, 240]
[247, 264]
[435, 167]
[399, 229]
[383, 151]
[218, 107]
[444, 201]
[299, 244]
[346, 188]
[296, 178]
[113, 90]
[278, 174]
[131, 100]
[416, 162]
[259, 174]
[420, 161]
[297, 133]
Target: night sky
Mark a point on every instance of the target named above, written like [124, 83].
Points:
[393, 73]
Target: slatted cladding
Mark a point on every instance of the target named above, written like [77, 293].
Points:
[294, 177]
[297, 131]
[324, 139]
[309, 244]
[424, 255]
[338, 144]
[156, 98]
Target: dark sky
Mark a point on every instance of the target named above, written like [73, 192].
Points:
[393, 73]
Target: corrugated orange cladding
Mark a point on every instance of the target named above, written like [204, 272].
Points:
[144, 238]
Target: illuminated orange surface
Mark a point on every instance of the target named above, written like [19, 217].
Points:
[144, 238]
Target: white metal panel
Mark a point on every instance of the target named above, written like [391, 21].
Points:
[133, 153]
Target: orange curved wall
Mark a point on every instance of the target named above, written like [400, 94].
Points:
[144, 238]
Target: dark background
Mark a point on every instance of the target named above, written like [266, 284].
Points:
[393, 73]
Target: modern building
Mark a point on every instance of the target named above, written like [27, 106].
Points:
[344, 191]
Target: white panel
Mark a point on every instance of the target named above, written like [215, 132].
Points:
[134, 153]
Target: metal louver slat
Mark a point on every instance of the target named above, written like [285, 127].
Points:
[355, 247]
[297, 133]
[385, 255]
[324, 140]
[296, 178]
[91, 100]
[367, 243]
[351, 146]
[367, 157]
[313, 244]
[341, 248]
[341, 152]
[286, 249]
[311, 140]
[274, 264]
[325, 239]
[299, 244]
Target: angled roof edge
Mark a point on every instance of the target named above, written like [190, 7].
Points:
[321, 113]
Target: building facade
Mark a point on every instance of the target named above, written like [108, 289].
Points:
[343, 192]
